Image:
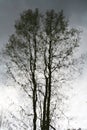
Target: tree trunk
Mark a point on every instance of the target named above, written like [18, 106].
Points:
[34, 102]
[49, 87]
[45, 106]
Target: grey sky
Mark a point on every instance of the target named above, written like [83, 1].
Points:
[76, 10]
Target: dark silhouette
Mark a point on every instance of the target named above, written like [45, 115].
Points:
[41, 46]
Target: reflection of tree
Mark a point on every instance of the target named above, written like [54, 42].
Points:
[39, 58]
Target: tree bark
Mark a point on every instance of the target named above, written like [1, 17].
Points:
[49, 87]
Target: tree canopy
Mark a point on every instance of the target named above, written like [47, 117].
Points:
[39, 54]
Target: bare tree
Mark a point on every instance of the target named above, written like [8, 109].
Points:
[39, 53]
[22, 49]
[58, 43]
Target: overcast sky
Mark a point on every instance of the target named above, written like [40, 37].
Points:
[75, 10]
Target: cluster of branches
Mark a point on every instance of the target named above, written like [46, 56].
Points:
[39, 53]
